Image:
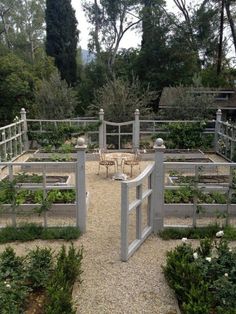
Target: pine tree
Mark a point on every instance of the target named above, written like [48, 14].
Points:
[62, 37]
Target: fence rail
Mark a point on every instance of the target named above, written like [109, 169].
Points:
[47, 189]
[200, 203]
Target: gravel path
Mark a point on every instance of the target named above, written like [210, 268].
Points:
[109, 285]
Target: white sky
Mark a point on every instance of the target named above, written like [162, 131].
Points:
[130, 39]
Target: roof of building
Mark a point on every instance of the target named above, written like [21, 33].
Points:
[224, 98]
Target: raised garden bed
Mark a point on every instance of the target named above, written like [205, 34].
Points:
[202, 179]
[37, 180]
[37, 165]
[178, 155]
[187, 163]
[180, 203]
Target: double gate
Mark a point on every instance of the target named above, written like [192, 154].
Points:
[118, 135]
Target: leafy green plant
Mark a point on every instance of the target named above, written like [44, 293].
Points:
[44, 206]
[9, 194]
[191, 233]
[186, 135]
[55, 137]
[68, 268]
[13, 289]
[38, 271]
[29, 232]
[204, 279]
[185, 194]
[39, 267]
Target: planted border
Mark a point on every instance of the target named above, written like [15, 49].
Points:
[39, 273]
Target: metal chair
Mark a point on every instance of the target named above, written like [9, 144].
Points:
[105, 162]
[132, 162]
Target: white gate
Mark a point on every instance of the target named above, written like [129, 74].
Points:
[142, 190]
[119, 135]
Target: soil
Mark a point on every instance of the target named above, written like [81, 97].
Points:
[47, 159]
[207, 179]
[49, 179]
[200, 159]
[35, 303]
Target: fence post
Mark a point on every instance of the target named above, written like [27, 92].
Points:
[102, 136]
[136, 130]
[25, 129]
[158, 186]
[4, 146]
[217, 128]
[81, 207]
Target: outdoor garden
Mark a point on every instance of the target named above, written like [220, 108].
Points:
[117, 171]
[199, 200]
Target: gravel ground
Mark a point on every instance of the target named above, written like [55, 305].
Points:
[109, 285]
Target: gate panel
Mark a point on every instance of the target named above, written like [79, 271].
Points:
[117, 135]
[144, 195]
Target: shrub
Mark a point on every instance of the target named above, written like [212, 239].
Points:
[68, 269]
[120, 99]
[21, 275]
[192, 233]
[197, 233]
[29, 232]
[203, 279]
[13, 289]
[39, 267]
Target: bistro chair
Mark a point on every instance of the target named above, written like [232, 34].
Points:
[105, 162]
[134, 161]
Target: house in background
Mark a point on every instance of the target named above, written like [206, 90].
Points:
[224, 99]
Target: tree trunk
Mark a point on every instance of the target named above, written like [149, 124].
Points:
[231, 22]
[96, 37]
[220, 49]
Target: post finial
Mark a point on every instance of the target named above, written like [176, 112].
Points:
[159, 142]
[80, 141]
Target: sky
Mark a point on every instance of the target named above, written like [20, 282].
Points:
[130, 39]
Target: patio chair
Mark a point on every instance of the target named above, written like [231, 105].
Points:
[105, 162]
[132, 162]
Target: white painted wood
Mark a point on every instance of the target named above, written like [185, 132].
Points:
[158, 186]
[81, 218]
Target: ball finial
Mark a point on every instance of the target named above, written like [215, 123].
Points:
[80, 141]
[159, 142]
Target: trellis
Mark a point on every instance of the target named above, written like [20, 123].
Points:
[13, 138]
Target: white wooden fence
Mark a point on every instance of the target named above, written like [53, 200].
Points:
[192, 214]
[75, 210]
[14, 137]
[225, 138]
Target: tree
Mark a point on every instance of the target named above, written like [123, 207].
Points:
[119, 99]
[111, 20]
[162, 61]
[62, 37]
[17, 84]
[55, 99]
[186, 103]
[22, 26]
[231, 18]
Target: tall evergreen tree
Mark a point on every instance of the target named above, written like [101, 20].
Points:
[62, 37]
